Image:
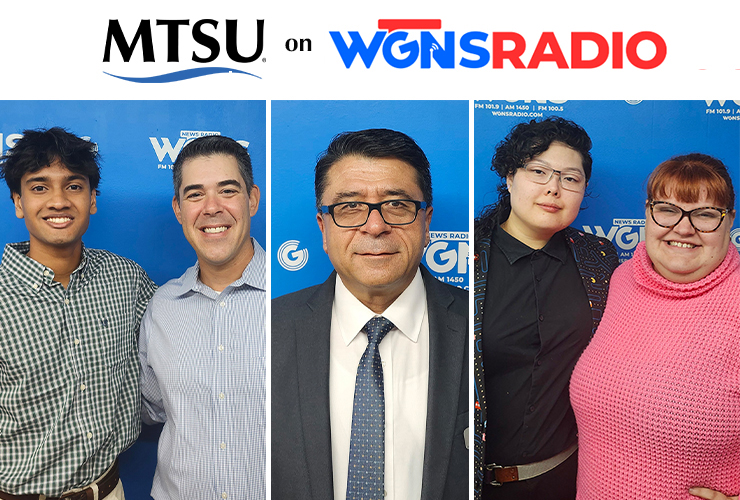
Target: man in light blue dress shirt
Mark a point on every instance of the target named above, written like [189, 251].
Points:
[202, 343]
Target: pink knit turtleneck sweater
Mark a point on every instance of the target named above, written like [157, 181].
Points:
[657, 392]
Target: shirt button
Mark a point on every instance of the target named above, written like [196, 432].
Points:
[83, 387]
[221, 395]
[66, 301]
[542, 318]
[220, 347]
[77, 341]
[224, 495]
[539, 362]
[89, 435]
[223, 304]
[531, 409]
[35, 286]
[223, 446]
[46, 273]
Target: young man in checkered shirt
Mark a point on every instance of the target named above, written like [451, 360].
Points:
[69, 321]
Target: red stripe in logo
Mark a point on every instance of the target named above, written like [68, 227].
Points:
[409, 24]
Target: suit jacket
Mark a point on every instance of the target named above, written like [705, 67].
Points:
[301, 433]
[596, 259]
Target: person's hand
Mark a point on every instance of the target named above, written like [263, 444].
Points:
[710, 494]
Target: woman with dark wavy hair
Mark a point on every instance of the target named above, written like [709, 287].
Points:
[540, 288]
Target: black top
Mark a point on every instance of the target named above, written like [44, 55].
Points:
[537, 323]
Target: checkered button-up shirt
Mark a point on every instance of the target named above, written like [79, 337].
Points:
[69, 370]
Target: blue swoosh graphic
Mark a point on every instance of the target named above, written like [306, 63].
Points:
[181, 75]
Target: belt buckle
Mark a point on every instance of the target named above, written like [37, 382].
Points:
[78, 495]
[491, 468]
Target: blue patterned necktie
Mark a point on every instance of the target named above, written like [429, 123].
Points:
[366, 477]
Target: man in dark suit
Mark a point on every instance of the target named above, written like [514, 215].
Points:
[370, 368]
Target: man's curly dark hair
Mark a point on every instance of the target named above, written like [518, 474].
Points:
[525, 141]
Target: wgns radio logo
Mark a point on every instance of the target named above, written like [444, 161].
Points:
[291, 257]
[446, 256]
[624, 233]
[403, 42]
[729, 112]
[7, 141]
[203, 43]
[735, 237]
[164, 147]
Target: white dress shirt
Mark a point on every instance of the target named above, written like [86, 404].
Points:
[405, 356]
[203, 374]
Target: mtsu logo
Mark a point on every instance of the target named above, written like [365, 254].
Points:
[204, 34]
[290, 257]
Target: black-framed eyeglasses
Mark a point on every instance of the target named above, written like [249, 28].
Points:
[356, 213]
[571, 180]
[703, 219]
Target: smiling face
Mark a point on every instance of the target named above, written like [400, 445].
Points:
[538, 211]
[682, 254]
[376, 261]
[215, 211]
[55, 204]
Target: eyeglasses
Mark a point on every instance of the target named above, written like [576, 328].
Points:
[356, 213]
[571, 180]
[704, 219]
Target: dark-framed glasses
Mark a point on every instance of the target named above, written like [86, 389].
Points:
[704, 219]
[356, 213]
[570, 180]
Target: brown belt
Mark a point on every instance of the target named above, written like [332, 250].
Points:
[496, 475]
[105, 484]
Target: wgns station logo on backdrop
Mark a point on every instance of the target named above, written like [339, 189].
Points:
[523, 109]
[165, 149]
[735, 237]
[200, 45]
[403, 42]
[291, 256]
[724, 110]
[625, 234]
[7, 141]
[446, 256]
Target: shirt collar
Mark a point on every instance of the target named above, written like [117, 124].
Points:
[33, 273]
[253, 275]
[513, 249]
[406, 312]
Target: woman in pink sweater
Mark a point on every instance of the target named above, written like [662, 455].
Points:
[657, 392]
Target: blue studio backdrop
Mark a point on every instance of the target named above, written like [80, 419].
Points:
[301, 130]
[138, 142]
[630, 138]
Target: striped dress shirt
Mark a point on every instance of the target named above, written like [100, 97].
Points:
[69, 374]
[203, 374]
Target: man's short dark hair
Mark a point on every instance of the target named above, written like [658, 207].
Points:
[374, 143]
[40, 148]
[213, 145]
